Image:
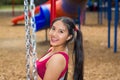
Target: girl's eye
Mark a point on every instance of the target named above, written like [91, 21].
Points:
[61, 31]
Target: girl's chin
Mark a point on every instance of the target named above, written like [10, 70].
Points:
[53, 44]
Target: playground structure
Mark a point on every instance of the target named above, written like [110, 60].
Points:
[107, 10]
[116, 21]
[109, 17]
[63, 8]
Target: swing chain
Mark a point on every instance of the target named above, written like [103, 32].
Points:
[33, 37]
[30, 38]
[27, 29]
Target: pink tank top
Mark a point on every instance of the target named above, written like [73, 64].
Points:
[41, 66]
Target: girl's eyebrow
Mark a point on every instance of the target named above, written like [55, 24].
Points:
[60, 28]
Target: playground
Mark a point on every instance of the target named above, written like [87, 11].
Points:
[100, 63]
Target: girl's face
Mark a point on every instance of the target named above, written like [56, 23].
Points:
[58, 34]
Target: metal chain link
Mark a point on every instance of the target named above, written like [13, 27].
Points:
[33, 37]
[30, 38]
[27, 29]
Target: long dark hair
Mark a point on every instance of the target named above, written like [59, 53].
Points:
[78, 47]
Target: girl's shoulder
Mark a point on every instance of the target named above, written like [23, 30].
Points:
[60, 56]
[57, 59]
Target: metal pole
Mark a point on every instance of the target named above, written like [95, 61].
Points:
[109, 21]
[116, 24]
[53, 10]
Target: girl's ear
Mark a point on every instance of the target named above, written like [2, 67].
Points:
[69, 37]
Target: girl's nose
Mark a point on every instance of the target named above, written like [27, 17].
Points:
[54, 33]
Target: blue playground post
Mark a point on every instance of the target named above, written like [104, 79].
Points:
[100, 12]
[79, 14]
[109, 13]
[116, 24]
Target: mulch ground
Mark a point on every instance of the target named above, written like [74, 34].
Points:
[101, 63]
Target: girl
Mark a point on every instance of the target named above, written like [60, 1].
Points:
[54, 64]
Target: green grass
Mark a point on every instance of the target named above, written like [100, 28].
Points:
[9, 7]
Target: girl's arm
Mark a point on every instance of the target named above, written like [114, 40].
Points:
[54, 67]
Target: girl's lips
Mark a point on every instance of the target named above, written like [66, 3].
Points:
[54, 39]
